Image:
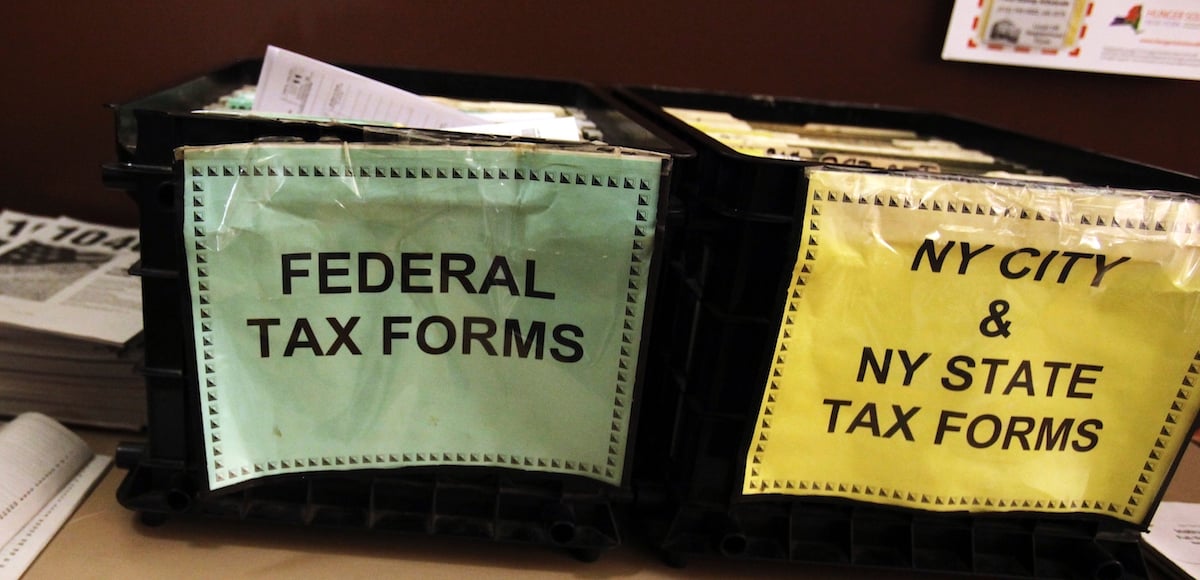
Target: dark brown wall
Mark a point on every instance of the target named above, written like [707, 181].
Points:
[64, 62]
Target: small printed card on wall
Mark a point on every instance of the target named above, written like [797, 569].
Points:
[1158, 38]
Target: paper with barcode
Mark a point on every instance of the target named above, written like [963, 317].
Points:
[294, 84]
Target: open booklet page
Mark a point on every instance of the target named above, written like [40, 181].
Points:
[45, 472]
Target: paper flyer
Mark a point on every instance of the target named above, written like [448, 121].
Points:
[1157, 38]
[70, 278]
[1175, 535]
[294, 84]
[371, 306]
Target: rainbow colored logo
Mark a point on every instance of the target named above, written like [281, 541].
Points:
[1132, 18]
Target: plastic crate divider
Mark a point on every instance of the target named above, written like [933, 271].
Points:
[942, 543]
[403, 504]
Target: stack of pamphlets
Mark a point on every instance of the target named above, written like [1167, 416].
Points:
[70, 321]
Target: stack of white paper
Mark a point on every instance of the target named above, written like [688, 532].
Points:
[70, 321]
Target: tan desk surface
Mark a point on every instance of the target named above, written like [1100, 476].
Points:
[104, 540]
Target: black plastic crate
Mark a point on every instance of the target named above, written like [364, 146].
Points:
[726, 278]
[148, 129]
[166, 474]
[481, 505]
[850, 535]
[751, 185]
[742, 211]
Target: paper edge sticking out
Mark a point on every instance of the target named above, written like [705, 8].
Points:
[20, 553]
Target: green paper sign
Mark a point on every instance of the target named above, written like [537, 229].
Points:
[382, 306]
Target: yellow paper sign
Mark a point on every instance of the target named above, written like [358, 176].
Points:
[954, 345]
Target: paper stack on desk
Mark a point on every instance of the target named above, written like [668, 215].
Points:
[45, 473]
[70, 321]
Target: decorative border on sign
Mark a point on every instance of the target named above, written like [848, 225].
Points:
[419, 172]
[974, 42]
[1100, 220]
[1154, 459]
[642, 239]
[807, 264]
[805, 268]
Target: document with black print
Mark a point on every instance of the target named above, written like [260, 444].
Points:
[71, 278]
[45, 473]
